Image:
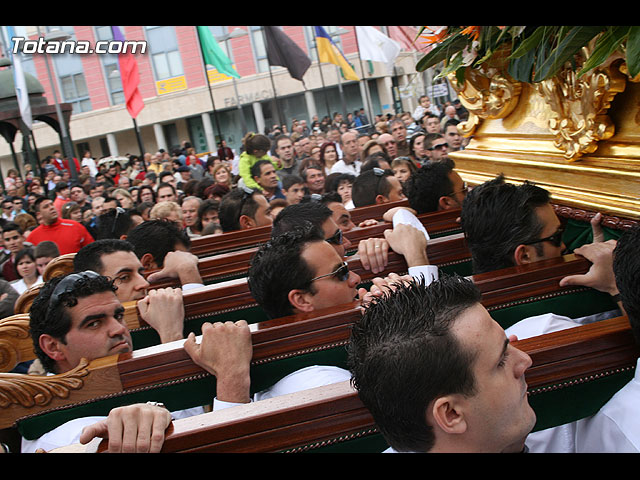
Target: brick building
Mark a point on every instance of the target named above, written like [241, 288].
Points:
[179, 106]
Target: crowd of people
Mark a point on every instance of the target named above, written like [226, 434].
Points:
[124, 220]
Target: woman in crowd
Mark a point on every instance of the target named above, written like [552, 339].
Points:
[222, 175]
[402, 168]
[72, 211]
[328, 156]
[417, 150]
[26, 269]
[124, 197]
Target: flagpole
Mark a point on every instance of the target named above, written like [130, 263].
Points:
[324, 89]
[140, 145]
[213, 103]
[273, 85]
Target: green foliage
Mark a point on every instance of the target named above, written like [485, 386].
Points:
[537, 52]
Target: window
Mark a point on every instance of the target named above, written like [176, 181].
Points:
[165, 56]
[110, 67]
[259, 48]
[70, 74]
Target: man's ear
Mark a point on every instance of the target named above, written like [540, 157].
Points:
[447, 413]
[301, 300]
[447, 203]
[246, 221]
[148, 262]
[381, 199]
[51, 347]
[524, 254]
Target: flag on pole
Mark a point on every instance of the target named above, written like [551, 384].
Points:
[213, 54]
[284, 52]
[376, 46]
[20, 84]
[129, 76]
[405, 36]
[328, 52]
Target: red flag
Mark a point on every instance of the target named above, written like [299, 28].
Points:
[130, 77]
[405, 36]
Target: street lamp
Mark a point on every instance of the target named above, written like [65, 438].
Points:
[67, 148]
[236, 33]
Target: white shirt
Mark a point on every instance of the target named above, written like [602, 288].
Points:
[69, 433]
[21, 287]
[93, 170]
[341, 167]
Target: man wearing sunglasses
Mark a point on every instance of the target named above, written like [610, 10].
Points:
[507, 225]
[77, 317]
[244, 208]
[435, 187]
[437, 146]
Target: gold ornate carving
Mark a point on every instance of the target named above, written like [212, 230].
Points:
[579, 107]
[487, 93]
[13, 332]
[32, 390]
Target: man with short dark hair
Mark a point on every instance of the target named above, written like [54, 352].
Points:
[76, 317]
[293, 188]
[244, 208]
[285, 152]
[264, 174]
[507, 225]
[435, 186]
[399, 133]
[69, 235]
[44, 253]
[167, 193]
[14, 241]
[438, 374]
[376, 186]
[437, 146]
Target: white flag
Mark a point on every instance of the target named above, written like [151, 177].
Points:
[22, 94]
[377, 47]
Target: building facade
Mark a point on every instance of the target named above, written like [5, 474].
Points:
[183, 101]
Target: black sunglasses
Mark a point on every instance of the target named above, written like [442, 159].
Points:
[555, 239]
[336, 238]
[341, 273]
[68, 284]
[446, 145]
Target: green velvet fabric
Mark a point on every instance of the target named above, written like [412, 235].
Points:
[578, 233]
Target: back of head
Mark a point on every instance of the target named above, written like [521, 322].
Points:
[296, 216]
[626, 267]
[497, 217]
[47, 248]
[277, 268]
[157, 237]
[114, 223]
[427, 184]
[368, 185]
[234, 204]
[253, 142]
[402, 355]
[49, 315]
[89, 257]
